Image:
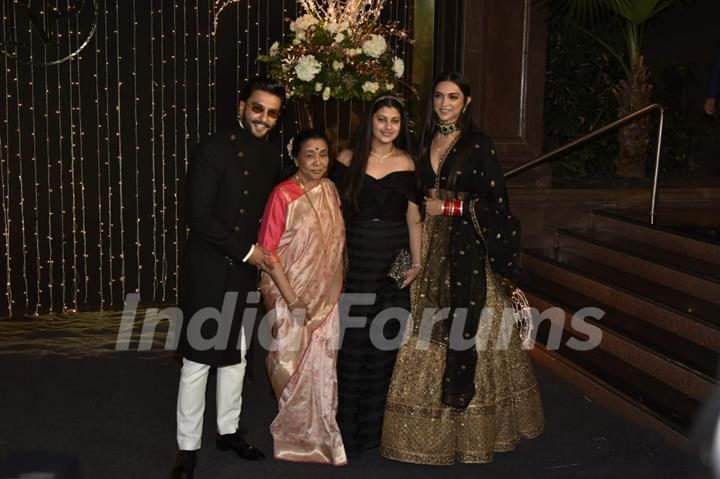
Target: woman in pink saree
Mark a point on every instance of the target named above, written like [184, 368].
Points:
[303, 230]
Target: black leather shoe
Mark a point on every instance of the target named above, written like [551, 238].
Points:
[236, 442]
[184, 465]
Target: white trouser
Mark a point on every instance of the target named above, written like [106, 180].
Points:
[191, 400]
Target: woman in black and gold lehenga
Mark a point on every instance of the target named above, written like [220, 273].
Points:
[465, 402]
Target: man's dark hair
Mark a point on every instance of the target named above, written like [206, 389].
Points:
[265, 84]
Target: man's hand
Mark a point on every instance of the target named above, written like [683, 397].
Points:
[260, 258]
[710, 106]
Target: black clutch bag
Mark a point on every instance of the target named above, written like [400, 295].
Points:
[400, 265]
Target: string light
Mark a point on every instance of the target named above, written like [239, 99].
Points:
[108, 169]
[175, 151]
[344, 11]
[72, 175]
[35, 181]
[20, 169]
[211, 70]
[163, 267]
[247, 42]
[197, 74]
[186, 135]
[5, 160]
[98, 155]
[137, 148]
[4, 186]
[6, 231]
[118, 135]
[152, 155]
[86, 275]
[86, 183]
[238, 65]
[62, 192]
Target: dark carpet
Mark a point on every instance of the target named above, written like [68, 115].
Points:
[113, 414]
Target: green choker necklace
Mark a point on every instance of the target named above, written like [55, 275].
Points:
[447, 128]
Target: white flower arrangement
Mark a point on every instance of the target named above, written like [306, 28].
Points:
[398, 67]
[307, 67]
[374, 46]
[331, 59]
[371, 87]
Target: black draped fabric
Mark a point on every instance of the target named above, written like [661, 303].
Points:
[486, 234]
[374, 236]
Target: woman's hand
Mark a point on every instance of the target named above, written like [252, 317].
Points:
[298, 310]
[410, 276]
[433, 206]
[277, 324]
[508, 286]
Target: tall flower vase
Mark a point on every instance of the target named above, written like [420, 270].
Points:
[338, 119]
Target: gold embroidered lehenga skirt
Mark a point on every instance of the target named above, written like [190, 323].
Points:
[506, 407]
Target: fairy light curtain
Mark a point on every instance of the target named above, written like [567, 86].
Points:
[93, 150]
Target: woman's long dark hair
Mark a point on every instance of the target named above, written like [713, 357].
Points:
[297, 143]
[465, 122]
[360, 145]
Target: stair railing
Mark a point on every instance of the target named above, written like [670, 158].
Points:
[595, 133]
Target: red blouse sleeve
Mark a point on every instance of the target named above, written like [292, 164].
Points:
[273, 221]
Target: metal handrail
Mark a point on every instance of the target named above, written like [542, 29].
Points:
[626, 119]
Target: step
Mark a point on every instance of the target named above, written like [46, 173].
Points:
[605, 393]
[660, 265]
[685, 315]
[663, 355]
[670, 407]
[629, 223]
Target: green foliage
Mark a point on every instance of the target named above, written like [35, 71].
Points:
[580, 74]
[631, 16]
[578, 99]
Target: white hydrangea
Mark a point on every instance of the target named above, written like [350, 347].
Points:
[274, 49]
[339, 37]
[303, 23]
[371, 86]
[389, 86]
[331, 27]
[307, 67]
[326, 93]
[398, 67]
[374, 46]
[318, 86]
[337, 66]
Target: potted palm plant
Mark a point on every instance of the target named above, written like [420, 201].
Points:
[635, 90]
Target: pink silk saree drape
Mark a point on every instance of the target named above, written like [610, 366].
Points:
[306, 233]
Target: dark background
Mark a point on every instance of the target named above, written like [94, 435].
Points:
[93, 151]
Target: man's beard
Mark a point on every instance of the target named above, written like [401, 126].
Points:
[246, 124]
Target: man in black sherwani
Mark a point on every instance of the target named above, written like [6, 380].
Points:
[229, 179]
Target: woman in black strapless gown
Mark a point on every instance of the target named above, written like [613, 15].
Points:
[377, 184]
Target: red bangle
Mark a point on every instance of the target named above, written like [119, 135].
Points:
[452, 208]
[458, 207]
[446, 208]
